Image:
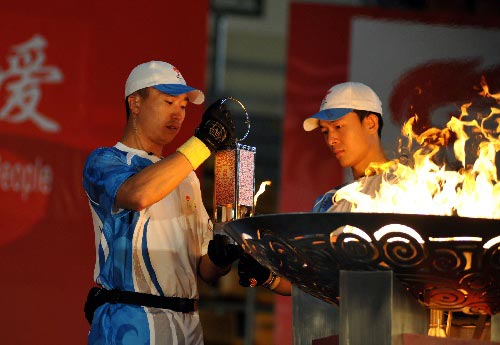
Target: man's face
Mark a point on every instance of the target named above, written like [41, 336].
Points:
[161, 116]
[350, 140]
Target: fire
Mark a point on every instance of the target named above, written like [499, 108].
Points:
[261, 190]
[435, 180]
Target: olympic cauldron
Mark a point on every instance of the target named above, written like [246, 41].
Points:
[446, 262]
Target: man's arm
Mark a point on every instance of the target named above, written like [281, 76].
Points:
[253, 274]
[153, 183]
[210, 272]
[284, 288]
[156, 181]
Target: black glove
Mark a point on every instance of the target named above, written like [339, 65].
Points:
[216, 129]
[221, 252]
[252, 273]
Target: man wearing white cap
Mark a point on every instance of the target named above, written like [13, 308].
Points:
[152, 231]
[350, 119]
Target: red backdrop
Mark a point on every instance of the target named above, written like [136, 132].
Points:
[63, 67]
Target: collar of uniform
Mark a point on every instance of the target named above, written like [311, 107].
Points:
[122, 147]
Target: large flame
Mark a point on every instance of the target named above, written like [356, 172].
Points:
[427, 183]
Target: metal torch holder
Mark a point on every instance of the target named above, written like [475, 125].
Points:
[234, 187]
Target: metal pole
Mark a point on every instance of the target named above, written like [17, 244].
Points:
[250, 316]
[220, 47]
[495, 327]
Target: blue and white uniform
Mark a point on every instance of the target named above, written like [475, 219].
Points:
[154, 251]
[324, 202]
[369, 185]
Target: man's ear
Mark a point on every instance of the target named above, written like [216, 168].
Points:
[371, 122]
[133, 103]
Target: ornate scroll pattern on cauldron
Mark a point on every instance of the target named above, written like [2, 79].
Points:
[300, 259]
[401, 250]
[320, 258]
[355, 251]
[442, 273]
[455, 276]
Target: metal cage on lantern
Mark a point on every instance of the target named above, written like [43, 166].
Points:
[234, 186]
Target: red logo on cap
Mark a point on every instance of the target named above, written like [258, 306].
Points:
[176, 70]
[326, 97]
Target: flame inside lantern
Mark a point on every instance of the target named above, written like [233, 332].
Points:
[262, 189]
[428, 183]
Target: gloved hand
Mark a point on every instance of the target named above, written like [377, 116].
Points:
[252, 273]
[222, 252]
[216, 129]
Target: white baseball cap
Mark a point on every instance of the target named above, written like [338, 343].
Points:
[164, 77]
[342, 99]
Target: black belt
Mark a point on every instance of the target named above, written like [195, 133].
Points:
[98, 296]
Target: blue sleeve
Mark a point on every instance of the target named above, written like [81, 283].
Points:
[104, 172]
[323, 203]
